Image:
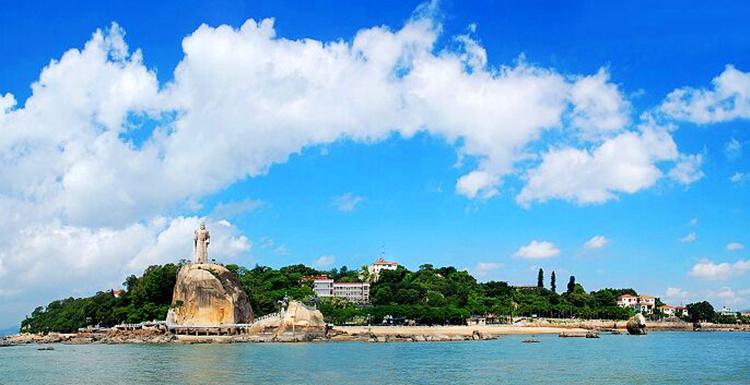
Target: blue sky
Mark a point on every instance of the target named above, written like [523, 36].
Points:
[292, 162]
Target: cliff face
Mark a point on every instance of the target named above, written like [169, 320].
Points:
[208, 295]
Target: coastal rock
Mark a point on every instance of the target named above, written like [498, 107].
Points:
[207, 295]
[298, 314]
[637, 325]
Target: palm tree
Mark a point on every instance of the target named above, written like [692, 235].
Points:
[364, 274]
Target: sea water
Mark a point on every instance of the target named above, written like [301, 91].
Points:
[657, 358]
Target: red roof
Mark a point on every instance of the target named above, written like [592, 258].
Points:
[116, 292]
[665, 306]
[646, 296]
[315, 278]
[625, 295]
[384, 263]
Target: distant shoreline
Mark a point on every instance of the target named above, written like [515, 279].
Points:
[376, 333]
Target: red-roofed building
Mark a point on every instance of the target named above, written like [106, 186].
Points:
[643, 303]
[117, 293]
[380, 265]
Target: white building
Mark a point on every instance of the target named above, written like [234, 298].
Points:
[668, 310]
[725, 310]
[325, 287]
[643, 303]
[379, 266]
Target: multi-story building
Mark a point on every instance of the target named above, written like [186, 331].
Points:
[642, 303]
[326, 287]
[668, 310]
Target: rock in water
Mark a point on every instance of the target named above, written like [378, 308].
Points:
[207, 295]
[637, 325]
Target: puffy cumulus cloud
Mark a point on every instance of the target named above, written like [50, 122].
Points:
[478, 184]
[242, 99]
[710, 271]
[596, 242]
[483, 268]
[625, 163]
[537, 250]
[346, 202]
[729, 99]
[734, 246]
[64, 259]
[324, 261]
[599, 107]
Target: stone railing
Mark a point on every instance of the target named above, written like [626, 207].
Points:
[267, 316]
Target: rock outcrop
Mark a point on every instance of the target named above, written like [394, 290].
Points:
[299, 315]
[208, 295]
[637, 325]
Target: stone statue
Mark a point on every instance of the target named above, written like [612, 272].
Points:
[201, 240]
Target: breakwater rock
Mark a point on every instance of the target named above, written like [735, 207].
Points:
[637, 325]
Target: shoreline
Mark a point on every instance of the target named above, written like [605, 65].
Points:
[376, 333]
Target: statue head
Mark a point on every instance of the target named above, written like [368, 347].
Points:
[203, 225]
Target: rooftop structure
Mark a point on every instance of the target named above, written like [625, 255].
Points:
[381, 264]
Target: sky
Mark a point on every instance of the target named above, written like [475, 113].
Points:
[605, 140]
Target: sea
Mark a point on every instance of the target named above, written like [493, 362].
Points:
[657, 358]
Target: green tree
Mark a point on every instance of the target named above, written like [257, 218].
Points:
[553, 284]
[701, 311]
[540, 279]
[571, 283]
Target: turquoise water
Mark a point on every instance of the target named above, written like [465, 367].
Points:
[658, 358]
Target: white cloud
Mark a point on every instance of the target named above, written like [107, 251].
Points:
[692, 237]
[738, 177]
[687, 169]
[61, 259]
[623, 164]
[728, 296]
[347, 202]
[596, 242]
[235, 209]
[483, 268]
[733, 149]
[324, 261]
[734, 246]
[537, 250]
[676, 293]
[693, 222]
[729, 99]
[478, 184]
[710, 271]
[600, 109]
[243, 99]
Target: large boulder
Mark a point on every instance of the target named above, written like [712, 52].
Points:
[299, 315]
[208, 295]
[637, 325]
